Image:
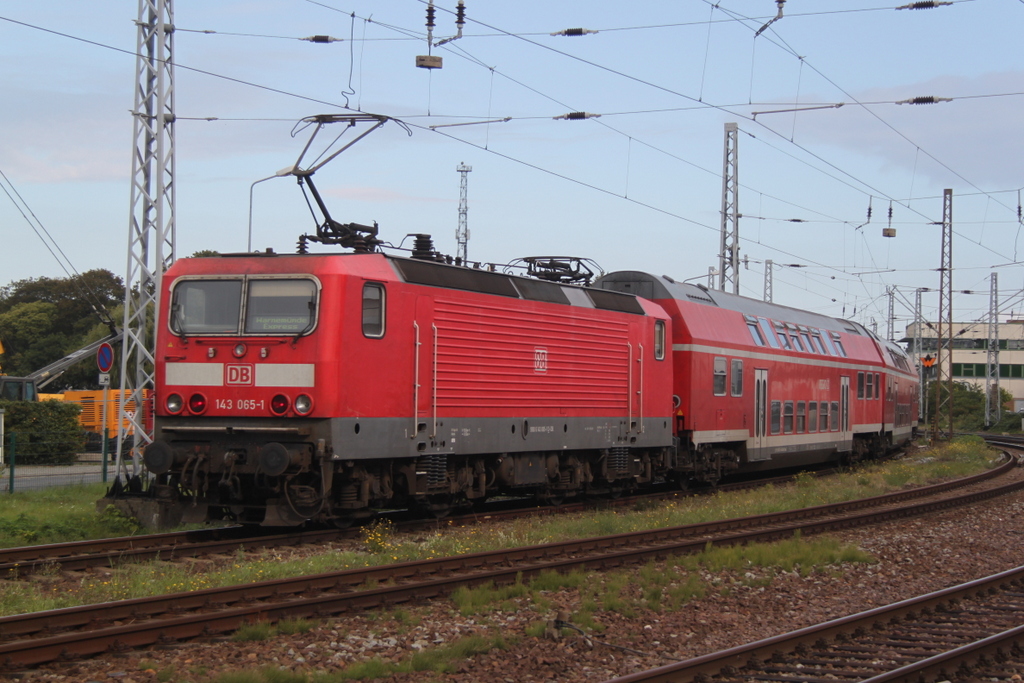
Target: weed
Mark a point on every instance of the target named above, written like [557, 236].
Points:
[473, 600]
[294, 626]
[378, 537]
[258, 631]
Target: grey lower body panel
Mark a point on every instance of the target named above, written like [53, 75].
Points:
[374, 438]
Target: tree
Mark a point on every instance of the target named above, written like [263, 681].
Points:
[44, 319]
[968, 406]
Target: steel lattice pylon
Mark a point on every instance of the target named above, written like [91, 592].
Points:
[462, 232]
[993, 407]
[729, 252]
[151, 227]
[943, 415]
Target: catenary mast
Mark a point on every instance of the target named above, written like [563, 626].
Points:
[151, 226]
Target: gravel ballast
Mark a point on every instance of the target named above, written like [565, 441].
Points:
[913, 556]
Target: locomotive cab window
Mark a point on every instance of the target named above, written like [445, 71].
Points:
[720, 376]
[280, 307]
[206, 307]
[373, 310]
[659, 340]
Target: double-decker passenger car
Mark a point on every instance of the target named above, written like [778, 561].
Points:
[763, 386]
[324, 387]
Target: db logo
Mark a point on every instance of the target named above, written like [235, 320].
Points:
[238, 374]
[540, 359]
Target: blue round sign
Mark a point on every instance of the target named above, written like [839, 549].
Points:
[105, 357]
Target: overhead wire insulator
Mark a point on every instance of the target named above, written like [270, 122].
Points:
[929, 99]
[322, 39]
[428, 61]
[926, 4]
[574, 32]
[460, 23]
[890, 231]
[577, 116]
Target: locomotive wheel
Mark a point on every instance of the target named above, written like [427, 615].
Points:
[552, 499]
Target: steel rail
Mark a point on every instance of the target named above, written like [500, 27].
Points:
[228, 608]
[728, 662]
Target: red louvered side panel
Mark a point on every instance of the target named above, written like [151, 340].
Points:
[490, 357]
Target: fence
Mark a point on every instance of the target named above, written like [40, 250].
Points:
[34, 460]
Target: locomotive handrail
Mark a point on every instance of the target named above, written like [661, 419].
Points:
[640, 393]
[415, 380]
[433, 388]
[629, 387]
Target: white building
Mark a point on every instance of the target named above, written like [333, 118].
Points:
[970, 354]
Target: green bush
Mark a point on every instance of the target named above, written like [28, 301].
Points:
[43, 432]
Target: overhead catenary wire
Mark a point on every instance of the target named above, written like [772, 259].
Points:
[631, 137]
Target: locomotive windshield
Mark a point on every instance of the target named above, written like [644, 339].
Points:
[271, 306]
[280, 307]
[206, 307]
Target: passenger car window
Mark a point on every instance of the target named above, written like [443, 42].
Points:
[373, 310]
[737, 377]
[720, 376]
[768, 334]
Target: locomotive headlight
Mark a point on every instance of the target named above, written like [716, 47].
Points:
[303, 404]
[174, 403]
[197, 404]
[279, 404]
[239, 350]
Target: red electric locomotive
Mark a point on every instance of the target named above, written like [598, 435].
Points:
[321, 387]
[761, 386]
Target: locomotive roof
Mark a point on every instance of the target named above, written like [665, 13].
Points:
[661, 287]
[424, 272]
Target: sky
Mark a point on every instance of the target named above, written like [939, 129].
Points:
[823, 137]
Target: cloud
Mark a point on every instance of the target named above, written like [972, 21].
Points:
[65, 137]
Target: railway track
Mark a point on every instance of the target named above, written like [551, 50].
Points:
[972, 631]
[79, 555]
[30, 639]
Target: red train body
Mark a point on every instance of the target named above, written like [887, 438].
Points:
[323, 387]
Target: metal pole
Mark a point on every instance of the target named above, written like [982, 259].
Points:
[918, 341]
[104, 448]
[10, 458]
[993, 409]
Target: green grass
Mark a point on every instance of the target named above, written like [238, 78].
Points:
[68, 513]
[58, 515]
